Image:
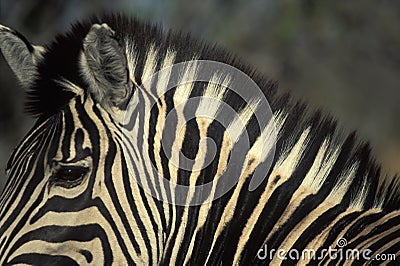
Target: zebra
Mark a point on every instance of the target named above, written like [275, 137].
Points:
[80, 191]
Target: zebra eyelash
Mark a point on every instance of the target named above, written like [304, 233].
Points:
[68, 176]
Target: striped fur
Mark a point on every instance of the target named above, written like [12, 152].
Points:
[323, 185]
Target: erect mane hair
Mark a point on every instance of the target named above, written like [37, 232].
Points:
[61, 61]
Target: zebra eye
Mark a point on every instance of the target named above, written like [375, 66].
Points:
[69, 176]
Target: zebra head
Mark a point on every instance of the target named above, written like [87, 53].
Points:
[114, 115]
[55, 203]
[82, 184]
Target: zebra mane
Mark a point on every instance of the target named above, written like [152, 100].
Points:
[61, 59]
[367, 189]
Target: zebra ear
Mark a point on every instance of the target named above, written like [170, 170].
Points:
[104, 66]
[21, 56]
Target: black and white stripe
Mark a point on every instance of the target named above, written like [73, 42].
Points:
[72, 195]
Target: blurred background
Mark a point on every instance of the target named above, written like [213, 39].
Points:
[343, 56]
